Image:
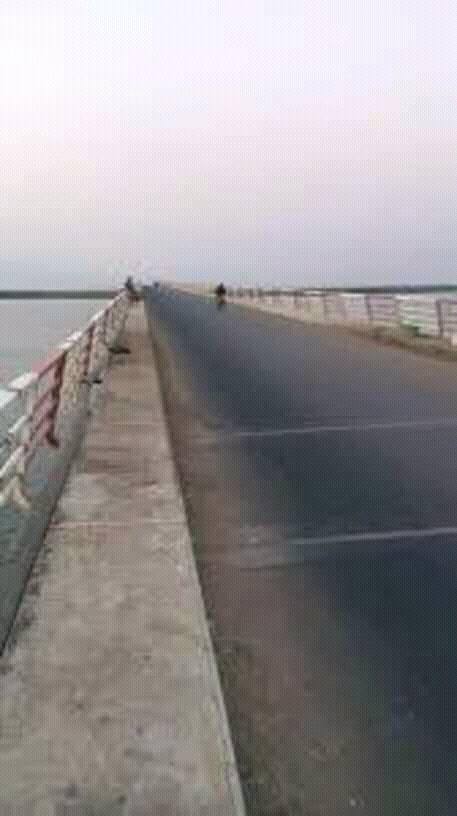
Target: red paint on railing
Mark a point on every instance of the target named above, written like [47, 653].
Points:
[88, 350]
[56, 390]
[42, 368]
[43, 424]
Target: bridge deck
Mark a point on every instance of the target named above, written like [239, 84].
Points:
[110, 701]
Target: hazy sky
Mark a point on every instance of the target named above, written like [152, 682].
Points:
[273, 141]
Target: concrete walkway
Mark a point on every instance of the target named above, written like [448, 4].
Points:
[110, 699]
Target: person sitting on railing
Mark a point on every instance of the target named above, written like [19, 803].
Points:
[129, 287]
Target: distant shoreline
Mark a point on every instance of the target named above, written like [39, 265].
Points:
[57, 294]
[107, 294]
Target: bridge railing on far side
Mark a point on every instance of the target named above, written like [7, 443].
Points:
[427, 315]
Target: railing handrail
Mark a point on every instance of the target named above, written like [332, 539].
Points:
[45, 392]
[432, 314]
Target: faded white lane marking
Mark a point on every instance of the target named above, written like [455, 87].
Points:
[380, 535]
[299, 550]
[324, 429]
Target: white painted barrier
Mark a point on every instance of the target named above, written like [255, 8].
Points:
[420, 312]
[43, 396]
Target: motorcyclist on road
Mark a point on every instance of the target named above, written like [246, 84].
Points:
[220, 292]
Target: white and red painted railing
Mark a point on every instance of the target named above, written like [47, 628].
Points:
[45, 396]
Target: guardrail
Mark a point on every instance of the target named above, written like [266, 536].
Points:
[44, 397]
[426, 315]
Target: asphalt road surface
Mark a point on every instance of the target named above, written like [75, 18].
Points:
[320, 473]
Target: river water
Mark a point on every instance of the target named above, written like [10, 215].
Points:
[30, 328]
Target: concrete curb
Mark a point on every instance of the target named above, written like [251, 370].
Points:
[230, 765]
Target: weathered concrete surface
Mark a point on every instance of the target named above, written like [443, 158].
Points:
[110, 699]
